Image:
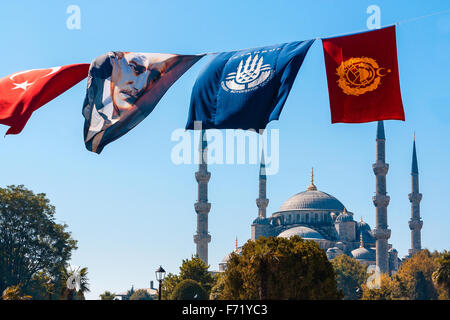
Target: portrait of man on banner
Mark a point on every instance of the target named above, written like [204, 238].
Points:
[123, 88]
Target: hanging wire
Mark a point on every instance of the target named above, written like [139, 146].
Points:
[423, 17]
[365, 30]
[390, 25]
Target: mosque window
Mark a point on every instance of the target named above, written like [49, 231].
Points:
[307, 217]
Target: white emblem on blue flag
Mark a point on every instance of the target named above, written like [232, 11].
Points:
[249, 76]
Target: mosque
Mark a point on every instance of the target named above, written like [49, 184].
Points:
[318, 216]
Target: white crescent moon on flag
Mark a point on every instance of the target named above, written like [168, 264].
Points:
[54, 69]
[11, 77]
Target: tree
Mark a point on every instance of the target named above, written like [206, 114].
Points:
[43, 287]
[168, 285]
[415, 277]
[413, 281]
[79, 284]
[350, 275]
[14, 293]
[218, 288]
[196, 269]
[191, 269]
[107, 296]
[30, 239]
[441, 276]
[189, 290]
[292, 269]
[389, 288]
[140, 294]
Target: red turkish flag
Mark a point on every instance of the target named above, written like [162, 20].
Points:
[23, 92]
[362, 75]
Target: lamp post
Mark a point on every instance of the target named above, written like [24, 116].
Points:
[160, 274]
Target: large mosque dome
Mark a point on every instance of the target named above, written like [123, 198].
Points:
[312, 200]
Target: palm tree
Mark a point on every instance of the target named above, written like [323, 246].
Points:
[76, 283]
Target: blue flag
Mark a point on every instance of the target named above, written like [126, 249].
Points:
[246, 89]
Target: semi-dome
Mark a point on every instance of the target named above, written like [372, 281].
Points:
[312, 200]
[304, 232]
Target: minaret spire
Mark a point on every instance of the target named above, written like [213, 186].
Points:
[381, 200]
[202, 206]
[415, 224]
[262, 200]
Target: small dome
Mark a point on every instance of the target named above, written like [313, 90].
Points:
[225, 260]
[344, 217]
[334, 250]
[364, 254]
[363, 226]
[304, 232]
[261, 220]
[340, 245]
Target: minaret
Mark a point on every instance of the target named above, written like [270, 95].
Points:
[262, 200]
[381, 232]
[415, 224]
[202, 207]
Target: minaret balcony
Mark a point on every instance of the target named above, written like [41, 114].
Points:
[202, 207]
[200, 237]
[415, 197]
[381, 234]
[201, 176]
[380, 168]
[415, 224]
[262, 203]
[381, 200]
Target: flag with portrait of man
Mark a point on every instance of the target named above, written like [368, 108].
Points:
[123, 88]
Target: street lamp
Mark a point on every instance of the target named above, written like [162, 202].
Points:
[160, 274]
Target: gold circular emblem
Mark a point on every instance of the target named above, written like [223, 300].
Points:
[360, 75]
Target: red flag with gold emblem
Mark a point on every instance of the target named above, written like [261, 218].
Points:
[23, 92]
[362, 75]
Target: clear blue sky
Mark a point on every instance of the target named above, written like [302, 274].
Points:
[131, 209]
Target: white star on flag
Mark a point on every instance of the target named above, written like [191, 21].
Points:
[23, 85]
